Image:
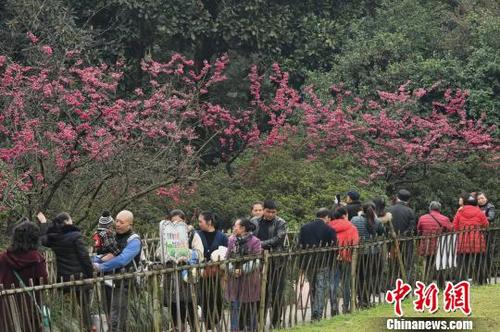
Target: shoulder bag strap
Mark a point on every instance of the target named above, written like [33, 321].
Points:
[21, 282]
[440, 226]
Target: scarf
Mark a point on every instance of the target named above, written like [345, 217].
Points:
[240, 246]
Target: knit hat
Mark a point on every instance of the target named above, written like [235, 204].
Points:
[105, 220]
[354, 195]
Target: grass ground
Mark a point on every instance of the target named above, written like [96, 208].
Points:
[485, 306]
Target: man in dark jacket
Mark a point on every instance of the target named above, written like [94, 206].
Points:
[404, 222]
[316, 234]
[271, 228]
[271, 232]
[353, 204]
[403, 217]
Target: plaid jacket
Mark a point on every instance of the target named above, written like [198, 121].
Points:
[105, 242]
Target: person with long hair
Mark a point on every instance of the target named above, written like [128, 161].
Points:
[369, 259]
[22, 265]
[210, 289]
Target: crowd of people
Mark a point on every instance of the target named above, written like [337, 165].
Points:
[117, 247]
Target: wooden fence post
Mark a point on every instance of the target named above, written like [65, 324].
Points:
[397, 251]
[354, 264]
[156, 304]
[192, 280]
[177, 298]
[263, 290]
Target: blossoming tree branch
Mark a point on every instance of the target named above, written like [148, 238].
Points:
[69, 139]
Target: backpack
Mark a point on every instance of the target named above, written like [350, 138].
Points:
[143, 264]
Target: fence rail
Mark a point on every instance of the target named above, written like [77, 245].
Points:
[277, 289]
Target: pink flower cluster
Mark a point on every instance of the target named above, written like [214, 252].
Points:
[55, 119]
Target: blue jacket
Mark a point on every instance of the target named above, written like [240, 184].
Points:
[131, 250]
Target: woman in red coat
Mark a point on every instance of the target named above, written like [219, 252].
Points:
[471, 244]
[19, 312]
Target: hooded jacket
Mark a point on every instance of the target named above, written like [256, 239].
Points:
[28, 264]
[470, 218]
[72, 255]
[347, 235]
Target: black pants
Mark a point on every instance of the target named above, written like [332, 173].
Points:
[473, 266]
[117, 302]
[186, 311]
[368, 282]
[276, 279]
[81, 296]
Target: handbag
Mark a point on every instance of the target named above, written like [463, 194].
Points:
[43, 310]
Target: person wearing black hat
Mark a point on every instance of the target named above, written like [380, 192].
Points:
[404, 222]
[403, 217]
[353, 204]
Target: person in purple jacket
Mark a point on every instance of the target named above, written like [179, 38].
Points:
[243, 284]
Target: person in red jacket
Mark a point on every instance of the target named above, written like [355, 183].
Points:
[22, 264]
[347, 235]
[471, 244]
[432, 225]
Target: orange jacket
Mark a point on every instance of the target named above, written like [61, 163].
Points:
[347, 235]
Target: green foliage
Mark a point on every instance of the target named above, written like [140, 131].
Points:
[424, 42]
[367, 44]
[52, 21]
[445, 183]
[300, 186]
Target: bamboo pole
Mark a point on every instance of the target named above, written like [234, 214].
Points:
[156, 304]
[392, 233]
[177, 300]
[195, 301]
[354, 263]
[263, 290]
